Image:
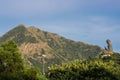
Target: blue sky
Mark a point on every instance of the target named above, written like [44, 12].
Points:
[91, 21]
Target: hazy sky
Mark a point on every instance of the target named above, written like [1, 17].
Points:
[91, 21]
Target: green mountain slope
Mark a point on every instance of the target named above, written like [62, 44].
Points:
[33, 43]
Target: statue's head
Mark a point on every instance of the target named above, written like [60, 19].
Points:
[108, 41]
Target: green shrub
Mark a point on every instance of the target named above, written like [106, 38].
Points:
[93, 69]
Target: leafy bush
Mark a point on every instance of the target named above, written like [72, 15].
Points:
[93, 69]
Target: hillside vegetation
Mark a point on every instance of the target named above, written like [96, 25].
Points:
[33, 43]
[12, 67]
[91, 69]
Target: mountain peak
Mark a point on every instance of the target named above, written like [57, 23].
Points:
[21, 26]
[14, 33]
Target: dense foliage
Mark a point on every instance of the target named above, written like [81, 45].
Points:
[10, 57]
[12, 66]
[92, 69]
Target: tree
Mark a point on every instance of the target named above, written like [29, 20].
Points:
[10, 57]
[12, 64]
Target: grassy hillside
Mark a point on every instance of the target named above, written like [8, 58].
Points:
[33, 43]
